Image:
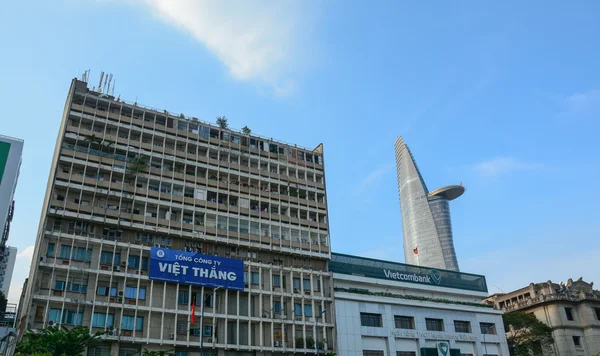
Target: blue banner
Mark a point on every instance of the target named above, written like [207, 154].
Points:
[195, 268]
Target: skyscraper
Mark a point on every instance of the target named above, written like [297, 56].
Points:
[426, 221]
[140, 202]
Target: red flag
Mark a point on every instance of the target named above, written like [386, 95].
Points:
[193, 310]
[416, 250]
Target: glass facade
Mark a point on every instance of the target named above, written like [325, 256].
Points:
[426, 221]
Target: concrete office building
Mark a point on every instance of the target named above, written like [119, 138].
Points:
[572, 309]
[11, 151]
[392, 309]
[7, 266]
[127, 180]
[426, 221]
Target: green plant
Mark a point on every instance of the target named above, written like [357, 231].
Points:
[310, 342]
[299, 343]
[526, 335]
[93, 140]
[181, 116]
[137, 165]
[57, 341]
[410, 297]
[222, 122]
[246, 130]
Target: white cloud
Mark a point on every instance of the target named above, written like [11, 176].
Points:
[255, 40]
[501, 165]
[584, 102]
[26, 253]
[372, 178]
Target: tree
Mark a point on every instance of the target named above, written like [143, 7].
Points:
[57, 341]
[246, 130]
[138, 165]
[222, 122]
[93, 140]
[526, 335]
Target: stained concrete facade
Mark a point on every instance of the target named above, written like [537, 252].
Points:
[572, 309]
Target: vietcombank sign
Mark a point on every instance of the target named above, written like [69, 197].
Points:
[368, 267]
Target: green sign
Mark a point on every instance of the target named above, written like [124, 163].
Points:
[368, 267]
[4, 150]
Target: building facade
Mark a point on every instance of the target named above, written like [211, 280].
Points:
[127, 179]
[426, 223]
[571, 309]
[7, 266]
[392, 309]
[11, 151]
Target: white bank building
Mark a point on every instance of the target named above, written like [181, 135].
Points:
[384, 308]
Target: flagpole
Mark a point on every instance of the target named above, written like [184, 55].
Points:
[202, 319]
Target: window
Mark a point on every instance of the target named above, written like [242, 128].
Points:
[372, 353]
[577, 340]
[368, 319]
[65, 251]
[308, 310]
[134, 262]
[406, 353]
[54, 316]
[276, 281]
[569, 312]
[59, 285]
[207, 330]
[72, 317]
[102, 290]
[181, 353]
[461, 326]
[297, 283]
[208, 302]
[297, 309]
[404, 322]
[488, 328]
[183, 297]
[128, 321]
[50, 252]
[597, 310]
[276, 307]
[132, 293]
[98, 351]
[106, 258]
[100, 320]
[306, 284]
[434, 324]
[254, 278]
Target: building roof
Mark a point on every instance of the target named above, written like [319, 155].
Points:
[449, 192]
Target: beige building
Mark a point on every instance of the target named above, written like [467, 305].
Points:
[572, 309]
[126, 178]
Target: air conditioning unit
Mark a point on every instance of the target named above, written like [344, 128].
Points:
[172, 336]
[110, 329]
[123, 264]
[50, 323]
[277, 343]
[43, 259]
[120, 300]
[120, 293]
[210, 339]
[298, 318]
[117, 268]
[115, 332]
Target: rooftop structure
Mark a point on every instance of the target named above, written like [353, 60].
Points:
[426, 223]
[133, 190]
[387, 308]
[11, 151]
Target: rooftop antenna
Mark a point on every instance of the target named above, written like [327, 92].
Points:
[83, 78]
[109, 80]
[100, 84]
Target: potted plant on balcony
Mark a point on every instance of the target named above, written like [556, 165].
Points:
[222, 122]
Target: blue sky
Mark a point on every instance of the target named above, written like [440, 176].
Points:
[502, 97]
